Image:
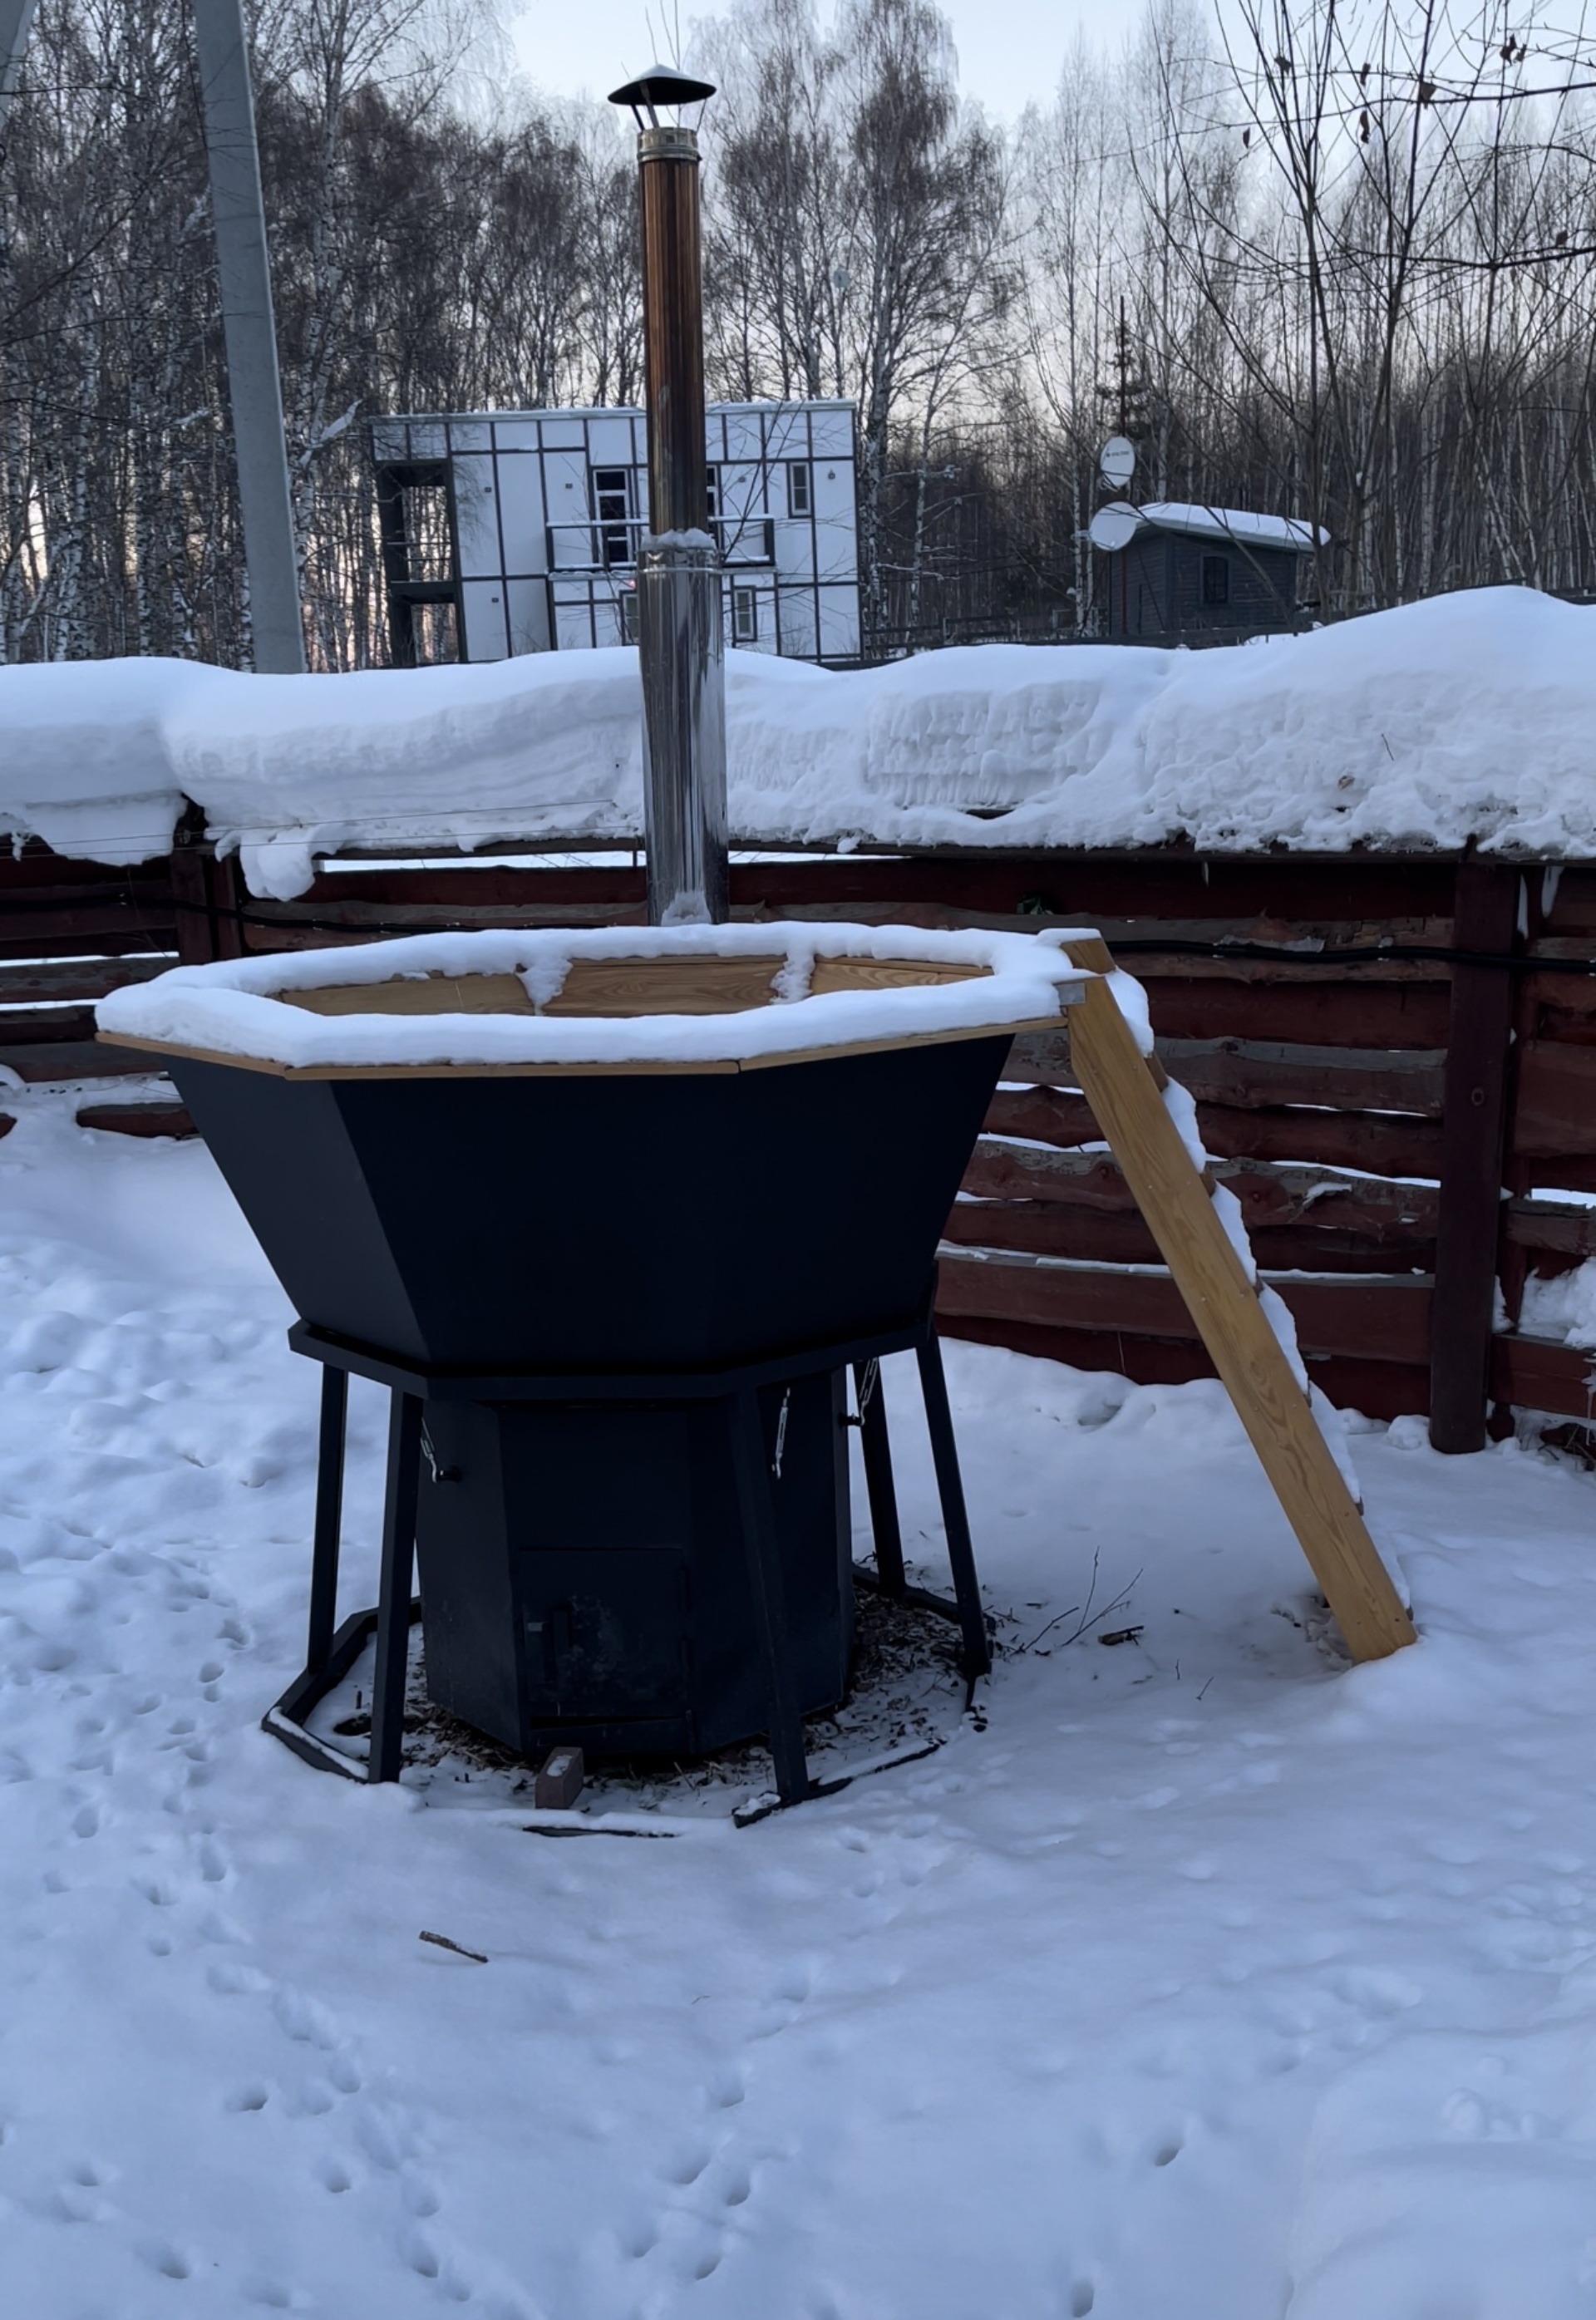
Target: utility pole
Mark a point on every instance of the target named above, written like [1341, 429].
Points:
[16, 19]
[255, 393]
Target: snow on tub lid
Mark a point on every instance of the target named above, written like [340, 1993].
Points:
[731, 998]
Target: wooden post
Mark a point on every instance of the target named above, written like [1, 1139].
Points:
[204, 894]
[1124, 1095]
[1473, 1133]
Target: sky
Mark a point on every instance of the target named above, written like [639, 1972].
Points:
[1010, 52]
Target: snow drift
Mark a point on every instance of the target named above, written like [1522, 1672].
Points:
[1466, 717]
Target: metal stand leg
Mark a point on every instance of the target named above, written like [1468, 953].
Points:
[335, 1403]
[770, 1610]
[877, 1445]
[950, 1489]
[393, 1611]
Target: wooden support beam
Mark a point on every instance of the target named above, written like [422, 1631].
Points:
[1384, 1390]
[1366, 1320]
[1559, 1229]
[39, 1061]
[1381, 1144]
[1532, 1373]
[1474, 1130]
[76, 978]
[1250, 1074]
[1234, 1327]
[1271, 1195]
[1091, 1235]
[1555, 1117]
[1364, 1015]
[146, 1120]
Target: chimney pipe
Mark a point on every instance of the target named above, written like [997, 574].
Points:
[680, 637]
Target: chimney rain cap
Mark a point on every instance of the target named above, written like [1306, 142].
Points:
[662, 85]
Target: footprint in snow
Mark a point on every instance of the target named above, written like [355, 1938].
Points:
[304, 2021]
[314, 2099]
[688, 2164]
[795, 1981]
[381, 2131]
[164, 2257]
[639, 2239]
[273, 2294]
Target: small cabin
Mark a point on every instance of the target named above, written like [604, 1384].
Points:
[517, 532]
[1179, 574]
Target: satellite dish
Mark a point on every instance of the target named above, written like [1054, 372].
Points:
[1114, 527]
[1116, 462]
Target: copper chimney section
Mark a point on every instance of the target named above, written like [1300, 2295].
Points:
[680, 637]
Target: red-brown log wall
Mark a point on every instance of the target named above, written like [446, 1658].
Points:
[1308, 1004]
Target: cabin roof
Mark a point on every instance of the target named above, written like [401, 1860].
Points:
[1240, 526]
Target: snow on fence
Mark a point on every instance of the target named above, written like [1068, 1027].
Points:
[1394, 1057]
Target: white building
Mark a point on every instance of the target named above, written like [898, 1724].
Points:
[522, 527]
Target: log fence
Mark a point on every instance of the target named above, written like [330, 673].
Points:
[1393, 1059]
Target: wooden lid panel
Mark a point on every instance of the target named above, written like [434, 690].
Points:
[415, 994]
[888, 974]
[621, 987]
[667, 986]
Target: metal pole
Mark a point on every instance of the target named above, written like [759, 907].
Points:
[16, 18]
[877, 1445]
[254, 392]
[387, 1760]
[324, 1619]
[955, 1522]
[681, 642]
[768, 1587]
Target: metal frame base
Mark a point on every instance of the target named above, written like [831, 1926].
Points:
[330, 1650]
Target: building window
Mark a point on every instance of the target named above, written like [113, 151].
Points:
[611, 505]
[1216, 580]
[745, 616]
[798, 499]
[712, 486]
[628, 616]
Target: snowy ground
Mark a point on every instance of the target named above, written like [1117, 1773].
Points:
[1210, 1981]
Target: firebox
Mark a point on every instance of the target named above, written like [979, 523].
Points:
[583, 1573]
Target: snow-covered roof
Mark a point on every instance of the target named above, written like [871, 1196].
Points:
[1466, 718]
[1240, 526]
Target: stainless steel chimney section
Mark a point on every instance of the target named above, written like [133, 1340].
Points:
[680, 636]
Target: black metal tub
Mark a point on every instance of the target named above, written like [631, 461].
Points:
[618, 1174]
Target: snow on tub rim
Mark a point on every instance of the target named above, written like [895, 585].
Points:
[654, 1000]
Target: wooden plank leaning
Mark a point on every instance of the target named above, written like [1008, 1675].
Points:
[1119, 1084]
